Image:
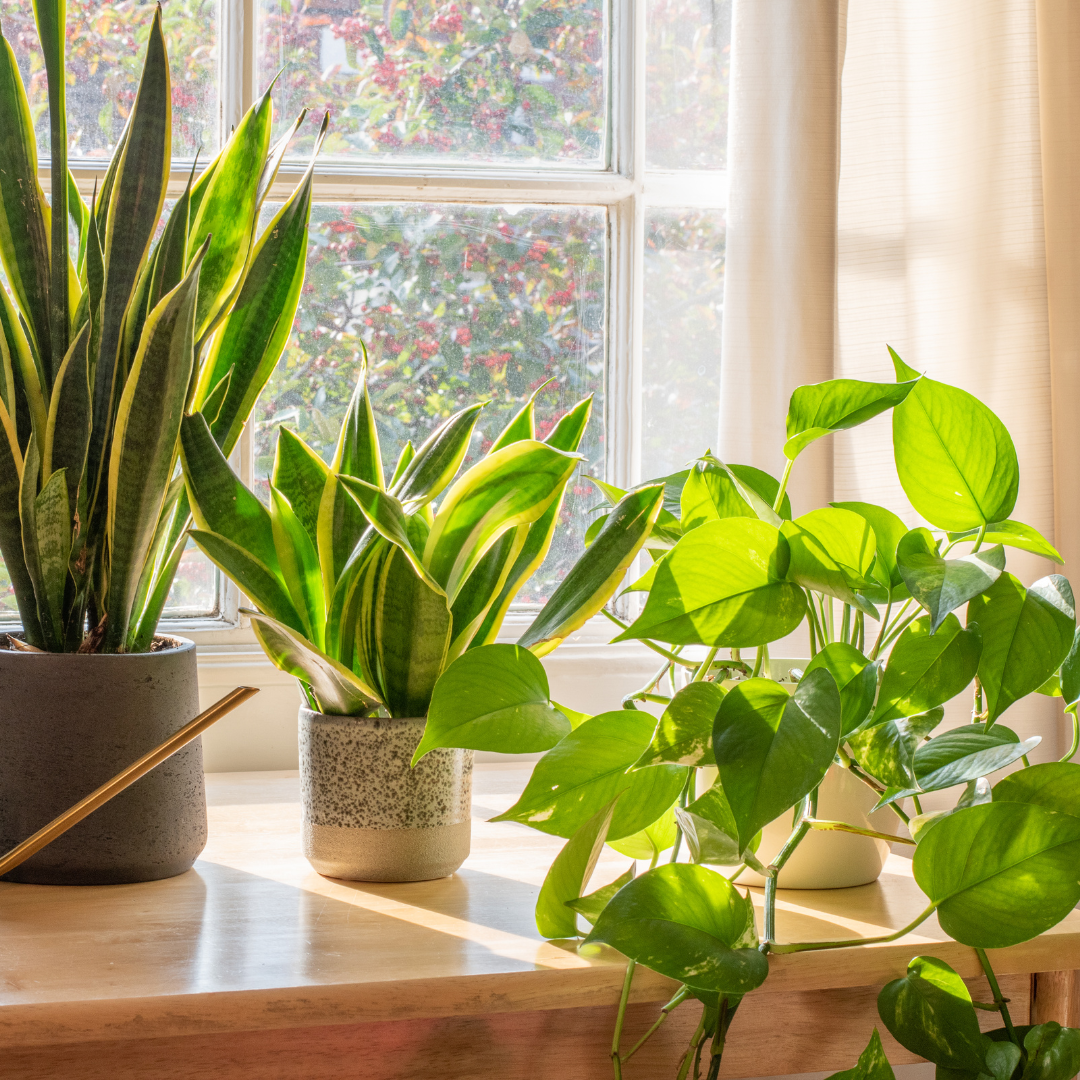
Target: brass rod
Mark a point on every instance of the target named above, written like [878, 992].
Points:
[84, 807]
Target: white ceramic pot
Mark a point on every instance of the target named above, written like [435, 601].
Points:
[830, 860]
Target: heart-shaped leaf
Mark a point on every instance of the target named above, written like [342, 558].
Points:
[955, 459]
[773, 748]
[588, 768]
[685, 922]
[1013, 534]
[723, 584]
[856, 679]
[833, 552]
[1026, 634]
[887, 751]
[929, 1012]
[835, 405]
[1000, 873]
[873, 1064]
[942, 585]
[684, 734]
[493, 698]
[924, 671]
[569, 874]
[1054, 785]
[1053, 1052]
[961, 755]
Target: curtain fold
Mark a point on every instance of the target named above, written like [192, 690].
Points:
[780, 276]
[930, 200]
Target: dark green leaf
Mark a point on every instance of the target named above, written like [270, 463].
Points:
[258, 324]
[299, 565]
[145, 445]
[24, 215]
[686, 922]
[929, 1012]
[942, 585]
[255, 578]
[412, 635]
[1070, 672]
[1053, 1052]
[774, 748]
[887, 751]
[438, 459]
[219, 501]
[1026, 634]
[588, 768]
[1054, 785]
[924, 670]
[136, 199]
[1001, 872]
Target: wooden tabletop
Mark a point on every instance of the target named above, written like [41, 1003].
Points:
[253, 938]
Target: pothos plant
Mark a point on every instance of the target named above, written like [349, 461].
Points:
[107, 341]
[890, 645]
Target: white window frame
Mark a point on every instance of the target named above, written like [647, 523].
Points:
[622, 186]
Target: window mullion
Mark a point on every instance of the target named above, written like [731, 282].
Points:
[234, 29]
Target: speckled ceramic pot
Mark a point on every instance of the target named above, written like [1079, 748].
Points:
[70, 722]
[367, 815]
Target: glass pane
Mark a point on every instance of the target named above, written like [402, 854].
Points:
[507, 81]
[455, 304]
[194, 590]
[684, 311]
[106, 46]
[688, 59]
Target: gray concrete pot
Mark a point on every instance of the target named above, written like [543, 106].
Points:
[367, 815]
[70, 722]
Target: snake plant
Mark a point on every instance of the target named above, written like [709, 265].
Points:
[366, 589]
[107, 341]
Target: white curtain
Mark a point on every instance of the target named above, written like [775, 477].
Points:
[907, 172]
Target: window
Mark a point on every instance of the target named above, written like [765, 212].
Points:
[514, 191]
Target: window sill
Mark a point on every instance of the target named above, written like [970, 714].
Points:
[586, 672]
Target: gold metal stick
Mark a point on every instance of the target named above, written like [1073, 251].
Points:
[83, 808]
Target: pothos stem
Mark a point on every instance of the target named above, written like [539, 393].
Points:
[616, 1060]
[999, 1000]
[682, 994]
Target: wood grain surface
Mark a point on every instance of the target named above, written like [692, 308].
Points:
[252, 958]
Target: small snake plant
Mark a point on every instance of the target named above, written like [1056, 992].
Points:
[366, 589]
